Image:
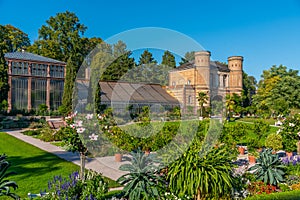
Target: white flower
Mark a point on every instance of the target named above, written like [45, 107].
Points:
[291, 124]
[89, 116]
[106, 127]
[93, 137]
[278, 131]
[73, 125]
[79, 123]
[80, 130]
[100, 117]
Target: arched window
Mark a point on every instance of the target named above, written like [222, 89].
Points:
[224, 81]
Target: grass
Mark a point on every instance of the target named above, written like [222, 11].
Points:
[291, 195]
[252, 120]
[34, 167]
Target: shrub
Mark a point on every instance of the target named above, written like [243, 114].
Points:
[46, 134]
[260, 188]
[93, 187]
[207, 175]
[274, 141]
[289, 132]
[31, 132]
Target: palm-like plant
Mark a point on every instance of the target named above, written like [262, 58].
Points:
[207, 176]
[202, 99]
[229, 104]
[142, 181]
[5, 184]
[268, 168]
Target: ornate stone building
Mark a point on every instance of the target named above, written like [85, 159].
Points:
[34, 80]
[204, 75]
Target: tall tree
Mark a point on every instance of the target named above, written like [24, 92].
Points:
[4, 86]
[249, 89]
[17, 39]
[147, 58]
[62, 38]
[168, 59]
[278, 91]
[188, 57]
[117, 69]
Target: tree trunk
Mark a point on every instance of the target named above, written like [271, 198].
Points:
[298, 147]
[82, 165]
[198, 194]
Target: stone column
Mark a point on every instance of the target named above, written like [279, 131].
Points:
[48, 88]
[29, 104]
[10, 87]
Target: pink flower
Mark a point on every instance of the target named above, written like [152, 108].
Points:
[78, 123]
[89, 116]
[93, 137]
[80, 130]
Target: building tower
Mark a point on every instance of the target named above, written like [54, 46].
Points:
[202, 63]
[235, 65]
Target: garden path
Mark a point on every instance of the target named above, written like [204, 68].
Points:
[105, 165]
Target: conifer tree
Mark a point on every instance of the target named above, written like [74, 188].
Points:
[147, 58]
[168, 59]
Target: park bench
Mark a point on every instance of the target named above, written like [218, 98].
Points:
[56, 123]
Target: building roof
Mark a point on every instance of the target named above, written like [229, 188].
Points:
[135, 93]
[220, 66]
[31, 57]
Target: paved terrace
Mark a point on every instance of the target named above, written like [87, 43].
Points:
[105, 165]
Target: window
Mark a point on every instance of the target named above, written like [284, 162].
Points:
[189, 99]
[19, 68]
[56, 93]
[56, 71]
[189, 82]
[39, 70]
[19, 90]
[38, 94]
[173, 83]
[224, 81]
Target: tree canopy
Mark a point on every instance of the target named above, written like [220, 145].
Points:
[188, 57]
[147, 58]
[13, 39]
[62, 38]
[168, 59]
[278, 91]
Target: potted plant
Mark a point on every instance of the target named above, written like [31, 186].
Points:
[252, 155]
[241, 150]
[252, 152]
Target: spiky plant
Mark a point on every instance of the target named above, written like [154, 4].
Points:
[6, 185]
[268, 168]
[142, 181]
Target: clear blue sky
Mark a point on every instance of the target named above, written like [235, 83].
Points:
[265, 32]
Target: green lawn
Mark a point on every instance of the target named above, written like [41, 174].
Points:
[292, 195]
[34, 167]
[252, 120]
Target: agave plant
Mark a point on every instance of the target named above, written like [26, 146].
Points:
[5, 184]
[268, 168]
[142, 181]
